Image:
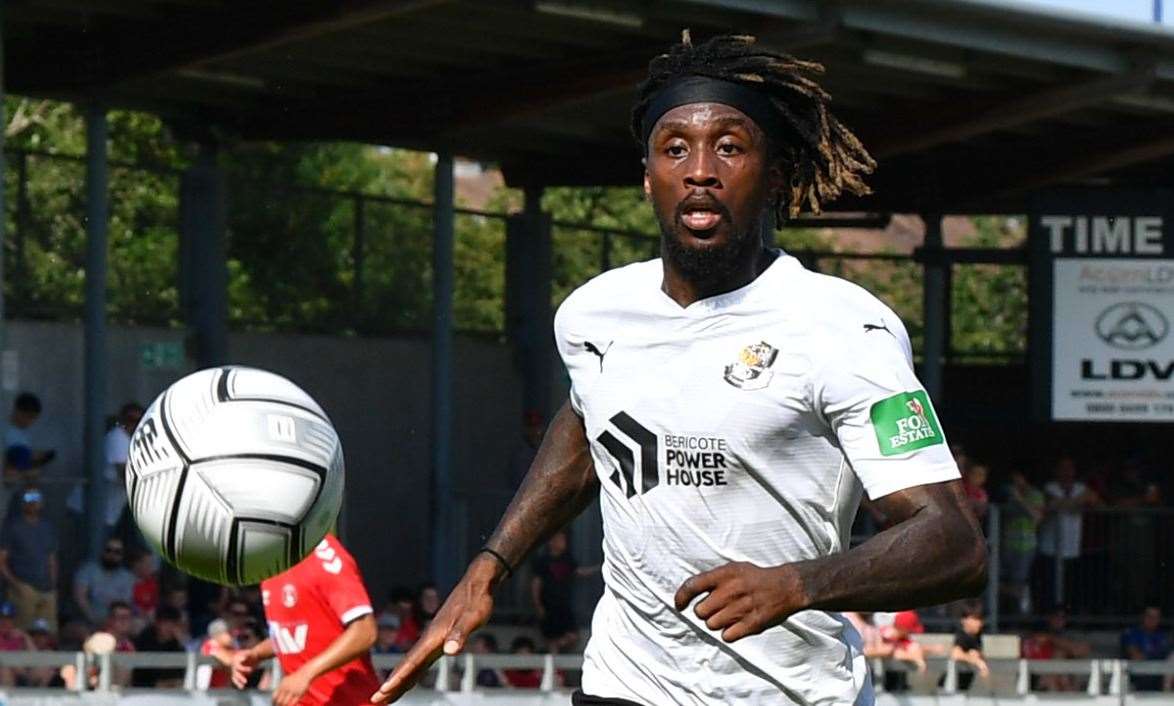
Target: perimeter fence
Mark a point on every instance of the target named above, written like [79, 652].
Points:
[316, 260]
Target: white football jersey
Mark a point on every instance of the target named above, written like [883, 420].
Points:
[739, 428]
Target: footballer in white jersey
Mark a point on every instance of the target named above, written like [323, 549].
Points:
[729, 408]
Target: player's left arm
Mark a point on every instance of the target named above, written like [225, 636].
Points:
[354, 642]
[934, 553]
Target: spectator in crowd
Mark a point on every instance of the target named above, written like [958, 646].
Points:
[117, 449]
[1022, 513]
[42, 639]
[163, 635]
[120, 623]
[145, 593]
[1136, 543]
[427, 603]
[1146, 641]
[237, 613]
[22, 462]
[98, 584]
[28, 562]
[974, 483]
[898, 637]
[552, 592]
[220, 646]
[1054, 642]
[961, 458]
[402, 604]
[485, 643]
[12, 639]
[968, 647]
[1060, 534]
[204, 601]
[177, 597]
[523, 678]
[874, 643]
[388, 627]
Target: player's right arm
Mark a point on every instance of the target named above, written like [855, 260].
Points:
[560, 484]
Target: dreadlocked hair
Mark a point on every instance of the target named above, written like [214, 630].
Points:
[821, 155]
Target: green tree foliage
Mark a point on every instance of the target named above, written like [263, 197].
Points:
[332, 238]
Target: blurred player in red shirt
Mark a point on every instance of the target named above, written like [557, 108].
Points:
[321, 628]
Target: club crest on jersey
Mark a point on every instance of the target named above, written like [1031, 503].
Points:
[289, 595]
[752, 369]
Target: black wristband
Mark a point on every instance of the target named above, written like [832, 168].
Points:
[509, 570]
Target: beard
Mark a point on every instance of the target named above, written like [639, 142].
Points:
[711, 264]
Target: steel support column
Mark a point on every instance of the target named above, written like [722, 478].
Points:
[96, 364]
[3, 231]
[444, 544]
[203, 260]
[935, 308]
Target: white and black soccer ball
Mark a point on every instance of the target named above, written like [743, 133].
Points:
[234, 474]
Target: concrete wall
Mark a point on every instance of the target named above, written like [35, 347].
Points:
[377, 392]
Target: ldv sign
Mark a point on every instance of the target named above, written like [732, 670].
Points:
[1103, 262]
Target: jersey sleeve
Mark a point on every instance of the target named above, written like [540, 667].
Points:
[569, 350]
[878, 410]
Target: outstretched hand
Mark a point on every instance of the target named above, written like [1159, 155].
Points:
[243, 663]
[465, 610]
[743, 599]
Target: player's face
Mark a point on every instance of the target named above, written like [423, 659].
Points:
[710, 178]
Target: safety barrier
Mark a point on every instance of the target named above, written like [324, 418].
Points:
[1008, 677]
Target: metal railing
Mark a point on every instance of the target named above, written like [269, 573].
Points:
[459, 673]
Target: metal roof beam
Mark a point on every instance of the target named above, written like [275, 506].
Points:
[188, 39]
[1017, 112]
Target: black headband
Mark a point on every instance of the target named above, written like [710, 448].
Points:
[704, 89]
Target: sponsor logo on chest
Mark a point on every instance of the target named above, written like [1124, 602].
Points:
[645, 460]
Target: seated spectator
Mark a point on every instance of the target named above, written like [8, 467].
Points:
[523, 678]
[145, 593]
[427, 603]
[403, 605]
[220, 646]
[974, 480]
[898, 637]
[98, 584]
[484, 643]
[968, 647]
[177, 598]
[388, 625]
[28, 562]
[120, 623]
[163, 635]
[1053, 642]
[42, 638]
[12, 639]
[1146, 641]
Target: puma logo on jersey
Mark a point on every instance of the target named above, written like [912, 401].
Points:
[882, 326]
[286, 642]
[592, 348]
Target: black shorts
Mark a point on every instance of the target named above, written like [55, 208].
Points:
[580, 699]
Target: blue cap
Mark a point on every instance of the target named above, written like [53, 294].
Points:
[32, 496]
[7, 610]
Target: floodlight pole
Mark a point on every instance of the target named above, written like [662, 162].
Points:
[95, 325]
[444, 543]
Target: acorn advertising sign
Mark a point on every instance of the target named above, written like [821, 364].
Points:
[1102, 306]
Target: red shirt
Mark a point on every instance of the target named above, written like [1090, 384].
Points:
[146, 594]
[220, 675]
[308, 607]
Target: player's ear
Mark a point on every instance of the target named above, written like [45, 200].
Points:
[647, 181]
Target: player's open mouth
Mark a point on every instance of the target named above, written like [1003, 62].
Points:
[700, 219]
